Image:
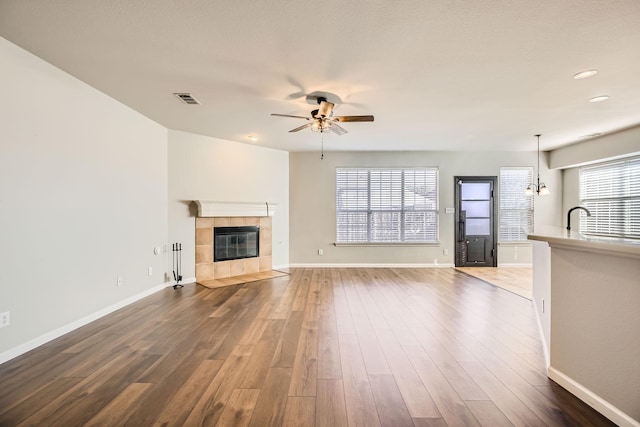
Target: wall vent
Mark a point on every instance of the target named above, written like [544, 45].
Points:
[187, 98]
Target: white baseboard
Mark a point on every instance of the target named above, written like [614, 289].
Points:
[56, 333]
[592, 399]
[514, 265]
[368, 265]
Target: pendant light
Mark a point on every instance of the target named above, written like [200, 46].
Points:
[540, 188]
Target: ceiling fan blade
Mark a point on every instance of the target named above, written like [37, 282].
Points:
[301, 127]
[326, 108]
[289, 115]
[343, 119]
[337, 129]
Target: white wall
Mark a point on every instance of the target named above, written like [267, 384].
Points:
[82, 199]
[571, 193]
[204, 168]
[595, 328]
[541, 291]
[613, 146]
[312, 183]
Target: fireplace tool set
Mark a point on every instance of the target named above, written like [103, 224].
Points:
[176, 248]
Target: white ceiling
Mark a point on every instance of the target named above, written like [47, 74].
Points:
[437, 74]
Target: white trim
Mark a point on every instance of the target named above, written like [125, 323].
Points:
[222, 209]
[400, 244]
[184, 281]
[592, 399]
[369, 265]
[56, 333]
[514, 264]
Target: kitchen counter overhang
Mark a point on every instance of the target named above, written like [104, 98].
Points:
[560, 237]
[586, 293]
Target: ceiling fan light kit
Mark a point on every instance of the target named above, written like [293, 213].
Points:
[321, 126]
[322, 119]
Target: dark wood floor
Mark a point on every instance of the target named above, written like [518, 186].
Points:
[321, 347]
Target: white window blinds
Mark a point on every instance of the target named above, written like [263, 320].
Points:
[611, 192]
[516, 209]
[386, 205]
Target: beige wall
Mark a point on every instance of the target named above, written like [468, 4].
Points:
[82, 201]
[595, 325]
[541, 291]
[312, 217]
[616, 145]
[204, 168]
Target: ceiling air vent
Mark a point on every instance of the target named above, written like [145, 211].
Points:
[187, 98]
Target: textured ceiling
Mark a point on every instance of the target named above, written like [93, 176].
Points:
[437, 74]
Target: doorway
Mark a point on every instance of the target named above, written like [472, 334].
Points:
[476, 222]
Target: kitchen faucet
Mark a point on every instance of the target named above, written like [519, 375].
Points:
[569, 215]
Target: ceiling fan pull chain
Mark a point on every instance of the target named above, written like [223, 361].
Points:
[322, 146]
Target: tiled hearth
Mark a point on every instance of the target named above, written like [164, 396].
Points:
[207, 270]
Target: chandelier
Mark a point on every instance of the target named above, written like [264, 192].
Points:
[540, 188]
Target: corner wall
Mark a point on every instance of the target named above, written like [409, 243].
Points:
[608, 147]
[312, 188]
[82, 200]
[205, 168]
[570, 158]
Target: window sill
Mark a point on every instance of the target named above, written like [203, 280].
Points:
[388, 244]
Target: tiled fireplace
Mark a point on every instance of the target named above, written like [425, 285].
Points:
[207, 268]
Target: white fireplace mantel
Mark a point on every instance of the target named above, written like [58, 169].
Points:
[218, 209]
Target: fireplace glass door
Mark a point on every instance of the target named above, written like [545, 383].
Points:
[235, 243]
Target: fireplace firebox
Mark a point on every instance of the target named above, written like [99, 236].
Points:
[231, 243]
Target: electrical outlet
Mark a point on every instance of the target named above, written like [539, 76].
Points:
[119, 281]
[320, 252]
[445, 252]
[4, 319]
[150, 271]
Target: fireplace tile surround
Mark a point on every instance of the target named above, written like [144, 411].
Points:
[207, 270]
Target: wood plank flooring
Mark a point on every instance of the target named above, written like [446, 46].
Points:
[518, 280]
[320, 347]
[242, 279]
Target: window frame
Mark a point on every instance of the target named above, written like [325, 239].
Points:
[377, 212]
[609, 189]
[528, 210]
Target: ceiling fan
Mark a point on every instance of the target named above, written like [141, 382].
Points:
[322, 119]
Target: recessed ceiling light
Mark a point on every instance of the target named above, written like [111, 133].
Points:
[252, 138]
[585, 74]
[599, 98]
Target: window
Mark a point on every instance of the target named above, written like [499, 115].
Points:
[386, 205]
[611, 192]
[516, 209]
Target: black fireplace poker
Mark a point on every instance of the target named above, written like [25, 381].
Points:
[176, 249]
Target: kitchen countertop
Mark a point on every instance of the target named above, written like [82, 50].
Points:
[561, 237]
